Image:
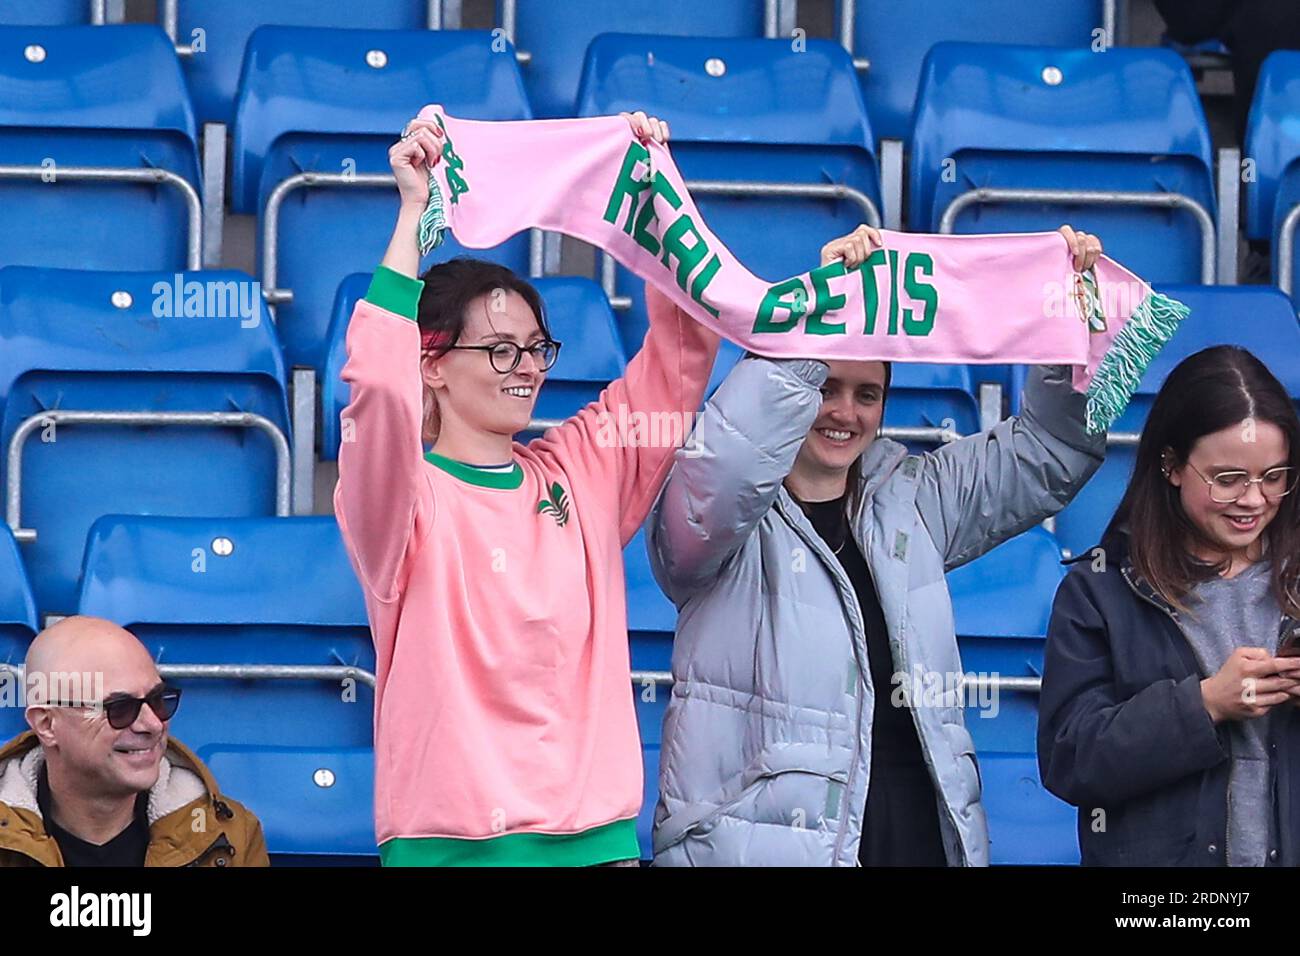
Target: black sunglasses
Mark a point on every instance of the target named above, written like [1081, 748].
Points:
[123, 711]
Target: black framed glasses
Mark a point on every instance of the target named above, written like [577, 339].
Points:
[506, 356]
[122, 710]
[1229, 486]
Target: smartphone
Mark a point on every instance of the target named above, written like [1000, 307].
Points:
[1289, 645]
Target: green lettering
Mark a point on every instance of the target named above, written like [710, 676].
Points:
[774, 300]
[659, 187]
[921, 292]
[455, 182]
[626, 187]
[893, 292]
[871, 298]
[688, 257]
[702, 280]
[824, 302]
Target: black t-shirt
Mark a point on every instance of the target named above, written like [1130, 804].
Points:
[900, 825]
[128, 848]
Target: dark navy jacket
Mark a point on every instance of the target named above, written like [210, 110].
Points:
[1123, 734]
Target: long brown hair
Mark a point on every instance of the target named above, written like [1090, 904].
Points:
[1218, 387]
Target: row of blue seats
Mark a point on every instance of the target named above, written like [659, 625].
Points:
[291, 734]
[1001, 600]
[78, 346]
[313, 111]
[194, 357]
[889, 37]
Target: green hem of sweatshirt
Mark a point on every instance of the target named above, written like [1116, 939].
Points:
[602, 844]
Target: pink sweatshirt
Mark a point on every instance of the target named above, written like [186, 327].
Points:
[505, 729]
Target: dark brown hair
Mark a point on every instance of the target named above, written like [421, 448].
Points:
[449, 288]
[1218, 387]
[853, 484]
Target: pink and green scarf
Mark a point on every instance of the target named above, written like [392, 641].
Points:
[1005, 299]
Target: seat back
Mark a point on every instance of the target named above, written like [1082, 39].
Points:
[47, 13]
[651, 621]
[17, 628]
[1002, 603]
[1018, 117]
[1273, 147]
[106, 97]
[136, 342]
[931, 396]
[296, 748]
[333, 102]
[556, 36]
[895, 36]
[223, 27]
[743, 112]
[592, 354]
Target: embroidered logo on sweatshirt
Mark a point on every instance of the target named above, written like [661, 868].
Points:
[557, 506]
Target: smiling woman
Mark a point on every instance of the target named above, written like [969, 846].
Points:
[505, 731]
[813, 551]
[1166, 706]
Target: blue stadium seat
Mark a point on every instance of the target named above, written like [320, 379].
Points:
[1019, 117]
[895, 35]
[920, 395]
[1273, 143]
[213, 73]
[651, 621]
[17, 628]
[107, 97]
[592, 356]
[238, 591]
[1258, 318]
[931, 396]
[49, 13]
[579, 316]
[1002, 602]
[556, 35]
[334, 394]
[311, 102]
[102, 341]
[772, 115]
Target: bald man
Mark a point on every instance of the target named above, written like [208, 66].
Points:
[97, 781]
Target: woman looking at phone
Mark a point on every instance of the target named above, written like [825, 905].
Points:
[1167, 714]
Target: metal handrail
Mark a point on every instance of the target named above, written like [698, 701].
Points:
[1090, 197]
[1024, 685]
[339, 672]
[311, 180]
[14, 468]
[931, 433]
[920, 433]
[1286, 250]
[328, 672]
[754, 187]
[123, 174]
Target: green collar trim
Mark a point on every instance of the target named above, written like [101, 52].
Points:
[506, 480]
